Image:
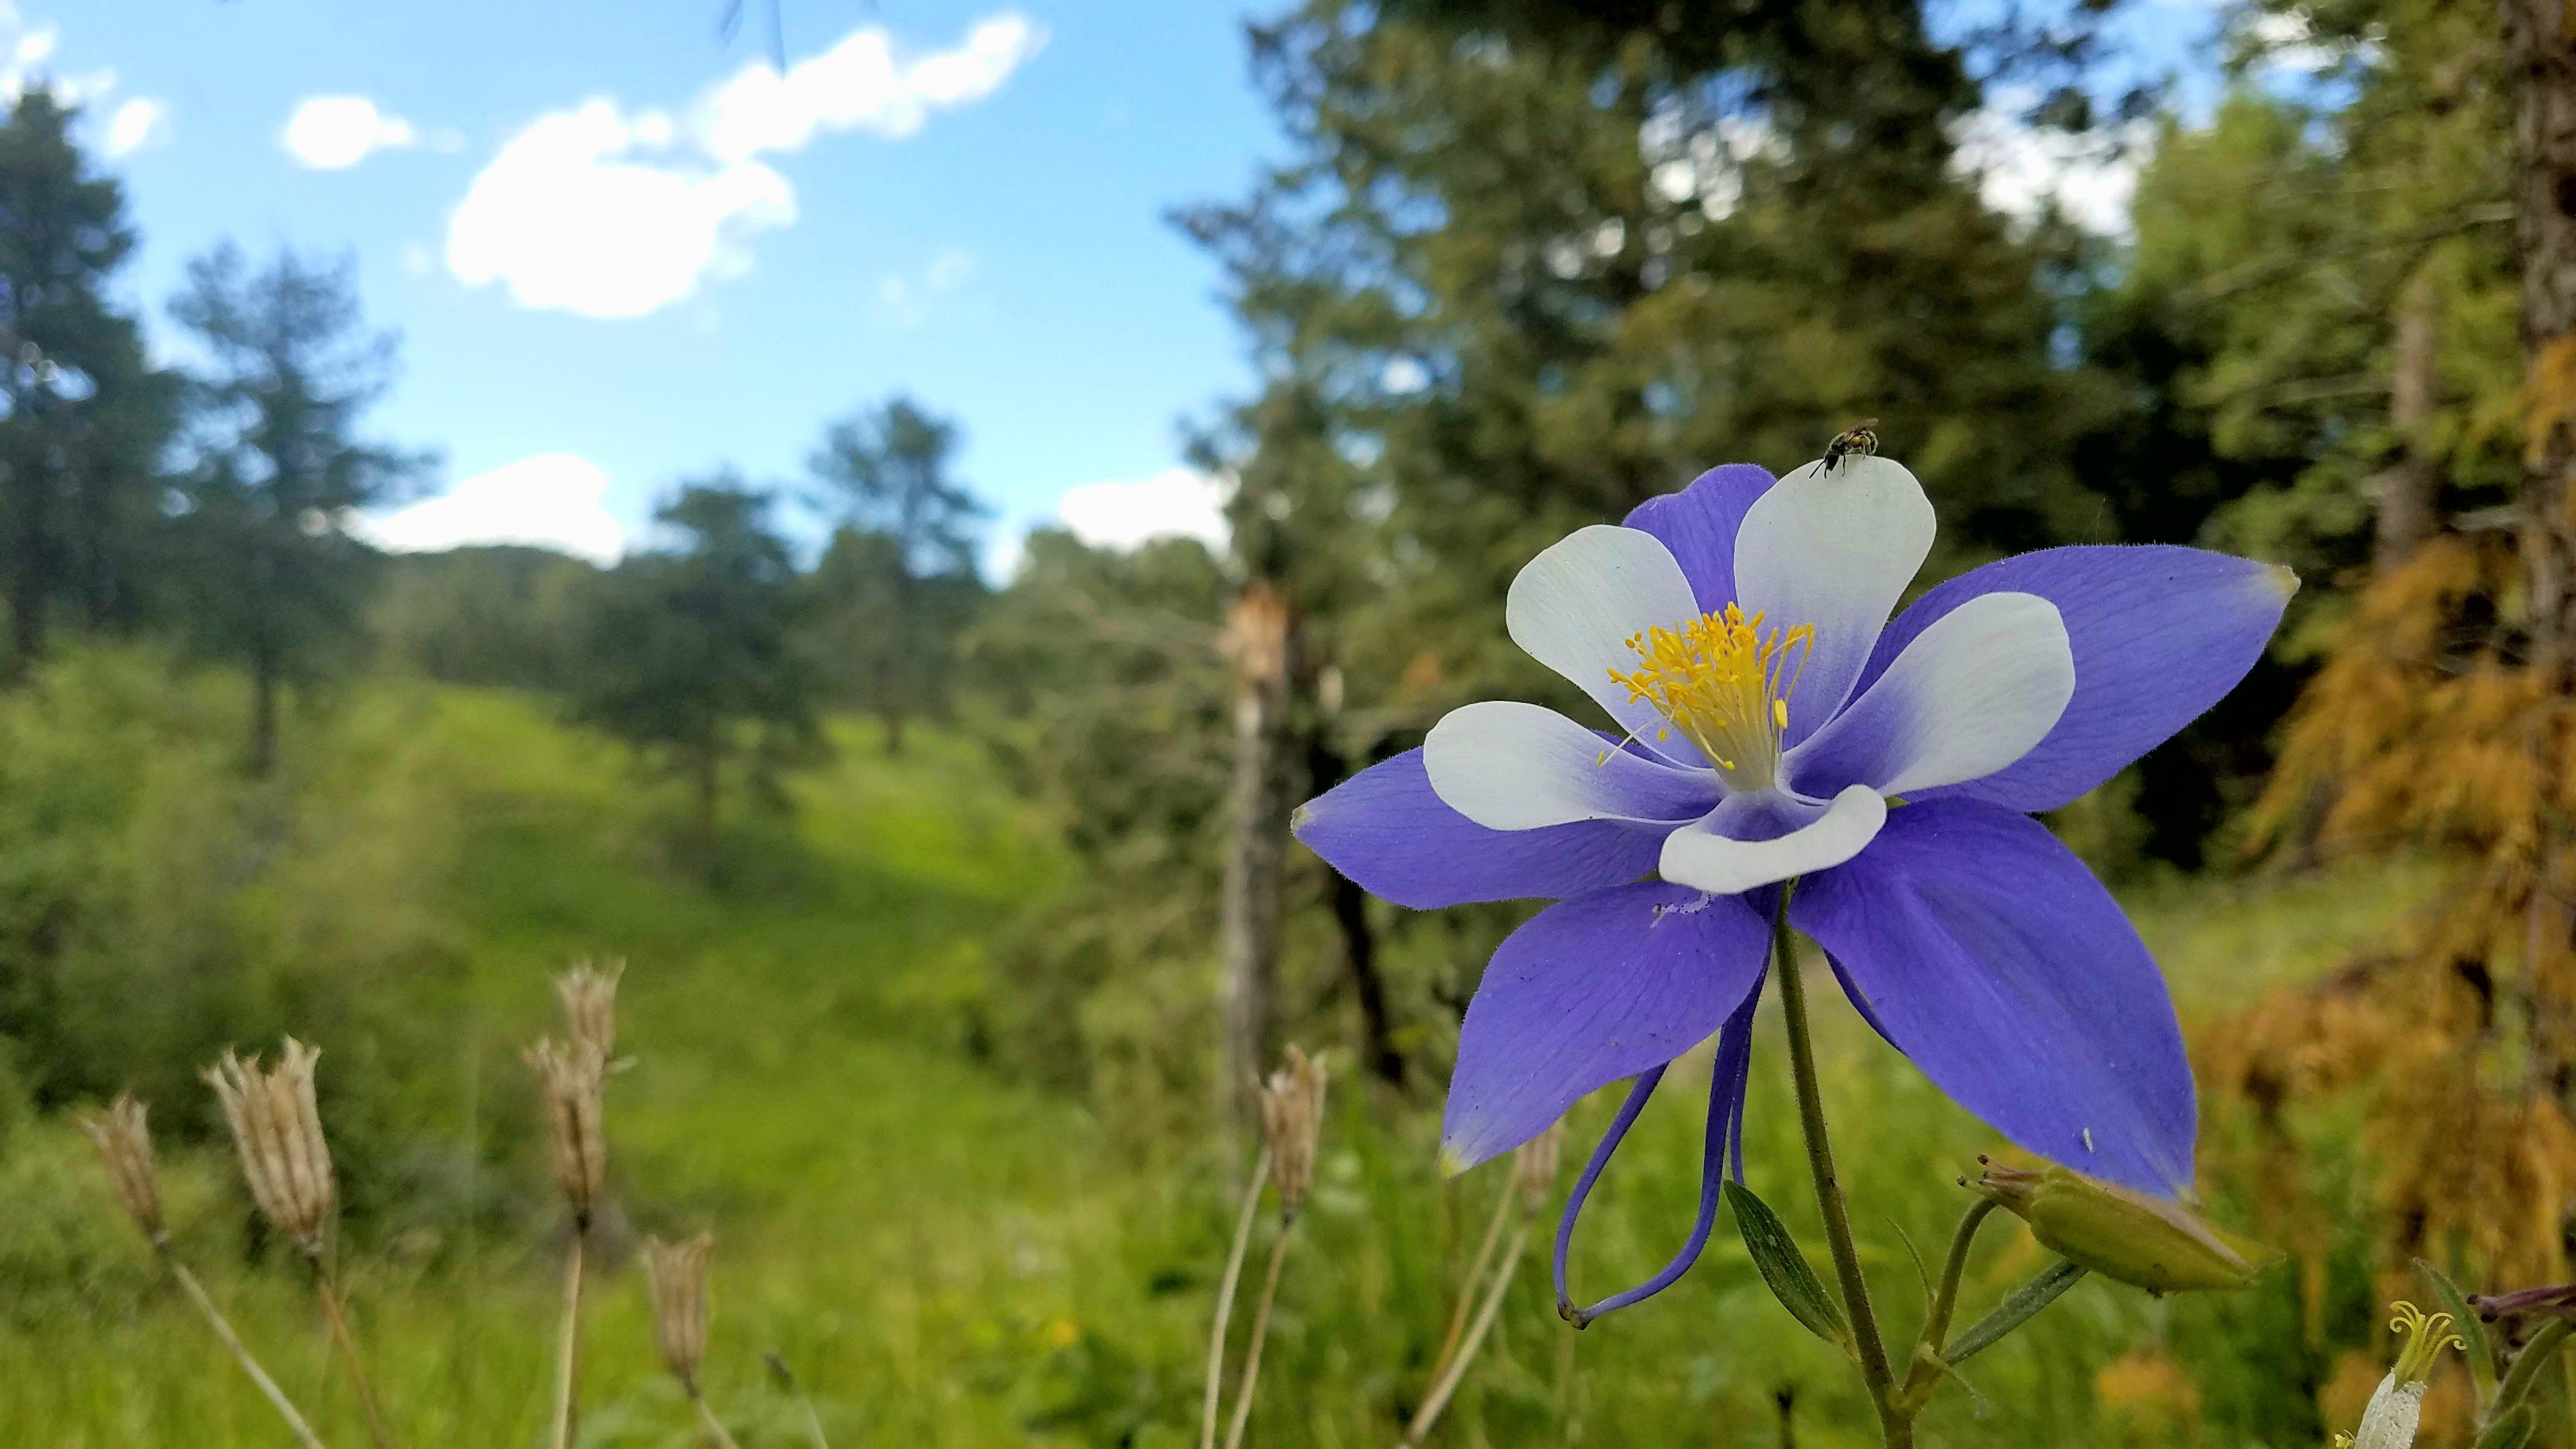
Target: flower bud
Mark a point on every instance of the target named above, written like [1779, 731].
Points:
[2140, 1240]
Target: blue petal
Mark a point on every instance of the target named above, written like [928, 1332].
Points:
[1698, 524]
[2159, 634]
[1987, 953]
[1386, 829]
[1725, 1138]
[1590, 991]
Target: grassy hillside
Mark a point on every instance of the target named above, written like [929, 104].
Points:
[951, 1257]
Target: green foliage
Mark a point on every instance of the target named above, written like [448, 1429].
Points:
[491, 614]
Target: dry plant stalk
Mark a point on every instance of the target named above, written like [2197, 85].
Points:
[1232, 1278]
[276, 1125]
[589, 994]
[1292, 1119]
[569, 1076]
[124, 1141]
[1532, 1181]
[676, 1274]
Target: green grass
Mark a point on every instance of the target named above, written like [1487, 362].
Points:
[949, 1256]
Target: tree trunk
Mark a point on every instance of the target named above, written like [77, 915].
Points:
[30, 573]
[263, 709]
[1324, 769]
[1260, 637]
[2411, 484]
[705, 769]
[2540, 58]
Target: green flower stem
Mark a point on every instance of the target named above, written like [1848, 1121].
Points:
[1893, 1417]
[2535, 1356]
[1925, 1374]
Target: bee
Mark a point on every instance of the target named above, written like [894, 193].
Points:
[1855, 442]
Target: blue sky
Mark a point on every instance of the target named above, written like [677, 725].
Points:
[621, 251]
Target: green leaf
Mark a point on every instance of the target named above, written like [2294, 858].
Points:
[2480, 1353]
[2510, 1432]
[2014, 1311]
[1785, 1268]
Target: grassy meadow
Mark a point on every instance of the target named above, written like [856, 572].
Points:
[950, 1254]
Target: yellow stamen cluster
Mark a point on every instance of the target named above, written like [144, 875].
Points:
[2423, 1339]
[1719, 680]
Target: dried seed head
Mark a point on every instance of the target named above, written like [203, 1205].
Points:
[589, 995]
[568, 1078]
[1292, 1114]
[124, 1144]
[1534, 1165]
[277, 1126]
[677, 1275]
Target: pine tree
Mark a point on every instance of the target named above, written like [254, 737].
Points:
[83, 416]
[271, 574]
[902, 555]
[690, 657]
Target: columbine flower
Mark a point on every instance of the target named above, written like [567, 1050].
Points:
[2398, 1403]
[1768, 716]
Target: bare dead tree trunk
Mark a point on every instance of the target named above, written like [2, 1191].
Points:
[2408, 488]
[1261, 640]
[2540, 58]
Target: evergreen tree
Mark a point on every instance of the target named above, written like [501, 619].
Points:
[272, 577]
[690, 657]
[901, 561]
[83, 416]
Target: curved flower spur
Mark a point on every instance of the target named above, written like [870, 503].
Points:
[1772, 725]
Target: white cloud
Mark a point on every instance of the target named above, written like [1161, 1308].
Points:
[908, 299]
[553, 500]
[2022, 168]
[611, 212]
[568, 220]
[1177, 502]
[333, 133]
[138, 123]
[859, 84]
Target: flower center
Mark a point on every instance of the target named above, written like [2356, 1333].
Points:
[1724, 681]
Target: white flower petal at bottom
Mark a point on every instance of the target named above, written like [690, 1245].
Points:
[1702, 859]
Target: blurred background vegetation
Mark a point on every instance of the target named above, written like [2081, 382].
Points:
[961, 910]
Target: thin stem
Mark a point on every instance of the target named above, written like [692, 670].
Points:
[1260, 1332]
[786, 1378]
[1922, 1377]
[707, 1420]
[1829, 1191]
[339, 1324]
[223, 1328]
[568, 1346]
[2527, 1365]
[1475, 1274]
[1456, 1372]
[1225, 1299]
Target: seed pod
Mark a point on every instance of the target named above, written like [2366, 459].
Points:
[1292, 1116]
[2140, 1240]
[277, 1128]
[676, 1273]
[589, 995]
[124, 1144]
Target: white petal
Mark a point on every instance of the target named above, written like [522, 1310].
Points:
[1970, 695]
[1834, 550]
[1575, 606]
[1698, 857]
[1511, 766]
